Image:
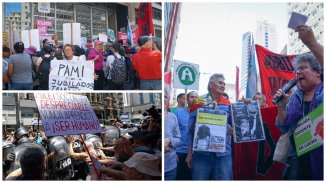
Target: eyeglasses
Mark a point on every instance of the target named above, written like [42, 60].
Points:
[68, 49]
[192, 96]
[300, 68]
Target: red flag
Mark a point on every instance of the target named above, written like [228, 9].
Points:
[237, 91]
[275, 71]
[167, 78]
[145, 19]
[254, 160]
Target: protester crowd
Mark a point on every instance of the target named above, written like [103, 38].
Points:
[182, 163]
[28, 154]
[116, 67]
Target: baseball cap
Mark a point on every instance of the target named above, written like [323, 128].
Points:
[143, 39]
[97, 42]
[89, 45]
[138, 134]
[145, 163]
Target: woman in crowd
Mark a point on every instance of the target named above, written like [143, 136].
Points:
[306, 98]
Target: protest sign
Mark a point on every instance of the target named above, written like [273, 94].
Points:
[70, 75]
[111, 35]
[275, 71]
[103, 38]
[309, 133]
[31, 38]
[247, 123]
[124, 36]
[64, 114]
[185, 75]
[72, 33]
[210, 131]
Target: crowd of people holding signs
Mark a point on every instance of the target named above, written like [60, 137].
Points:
[214, 139]
[98, 66]
[73, 145]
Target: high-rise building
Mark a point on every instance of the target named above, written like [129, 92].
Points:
[315, 13]
[138, 103]
[246, 49]
[266, 35]
[172, 13]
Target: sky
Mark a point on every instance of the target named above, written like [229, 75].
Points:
[210, 34]
[12, 7]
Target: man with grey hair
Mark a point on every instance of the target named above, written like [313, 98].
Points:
[211, 165]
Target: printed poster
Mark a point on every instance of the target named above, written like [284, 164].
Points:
[309, 133]
[210, 131]
[247, 122]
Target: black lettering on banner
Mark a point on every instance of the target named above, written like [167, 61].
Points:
[142, 11]
[264, 164]
[276, 83]
[279, 63]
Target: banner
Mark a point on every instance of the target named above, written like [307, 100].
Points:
[70, 75]
[130, 36]
[309, 133]
[64, 114]
[124, 36]
[247, 123]
[275, 71]
[145, 19]
[254, 160]
[210, 131]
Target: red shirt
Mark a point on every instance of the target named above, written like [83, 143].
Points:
[147, 63]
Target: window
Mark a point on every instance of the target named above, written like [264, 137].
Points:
[314, 13]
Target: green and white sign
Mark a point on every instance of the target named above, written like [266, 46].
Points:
[186, 75]
[309, 133]
[111, 35]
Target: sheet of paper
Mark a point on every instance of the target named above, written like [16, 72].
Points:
[296, 20]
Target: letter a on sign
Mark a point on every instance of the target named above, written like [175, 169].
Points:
[186, 75]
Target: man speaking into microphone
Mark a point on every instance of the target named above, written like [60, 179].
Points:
[291, 108]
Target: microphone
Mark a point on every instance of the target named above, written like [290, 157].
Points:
[286, 88]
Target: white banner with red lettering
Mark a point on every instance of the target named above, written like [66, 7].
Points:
[64, 114]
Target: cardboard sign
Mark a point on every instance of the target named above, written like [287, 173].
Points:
[210, 131]
[103, 38]
[309, 133]
[64, 114]
[111, 35]
[72, 33]
[247, 123]
[44, 7]
[31, 38]
[71, 75]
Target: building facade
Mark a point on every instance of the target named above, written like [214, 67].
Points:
[315, 13]
[266, 35]
[247, 40]
[94, 18]
[138, 103]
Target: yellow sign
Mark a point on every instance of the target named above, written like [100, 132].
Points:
[215, 119]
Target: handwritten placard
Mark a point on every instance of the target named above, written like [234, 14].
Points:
[71, 75]
[64, 114]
